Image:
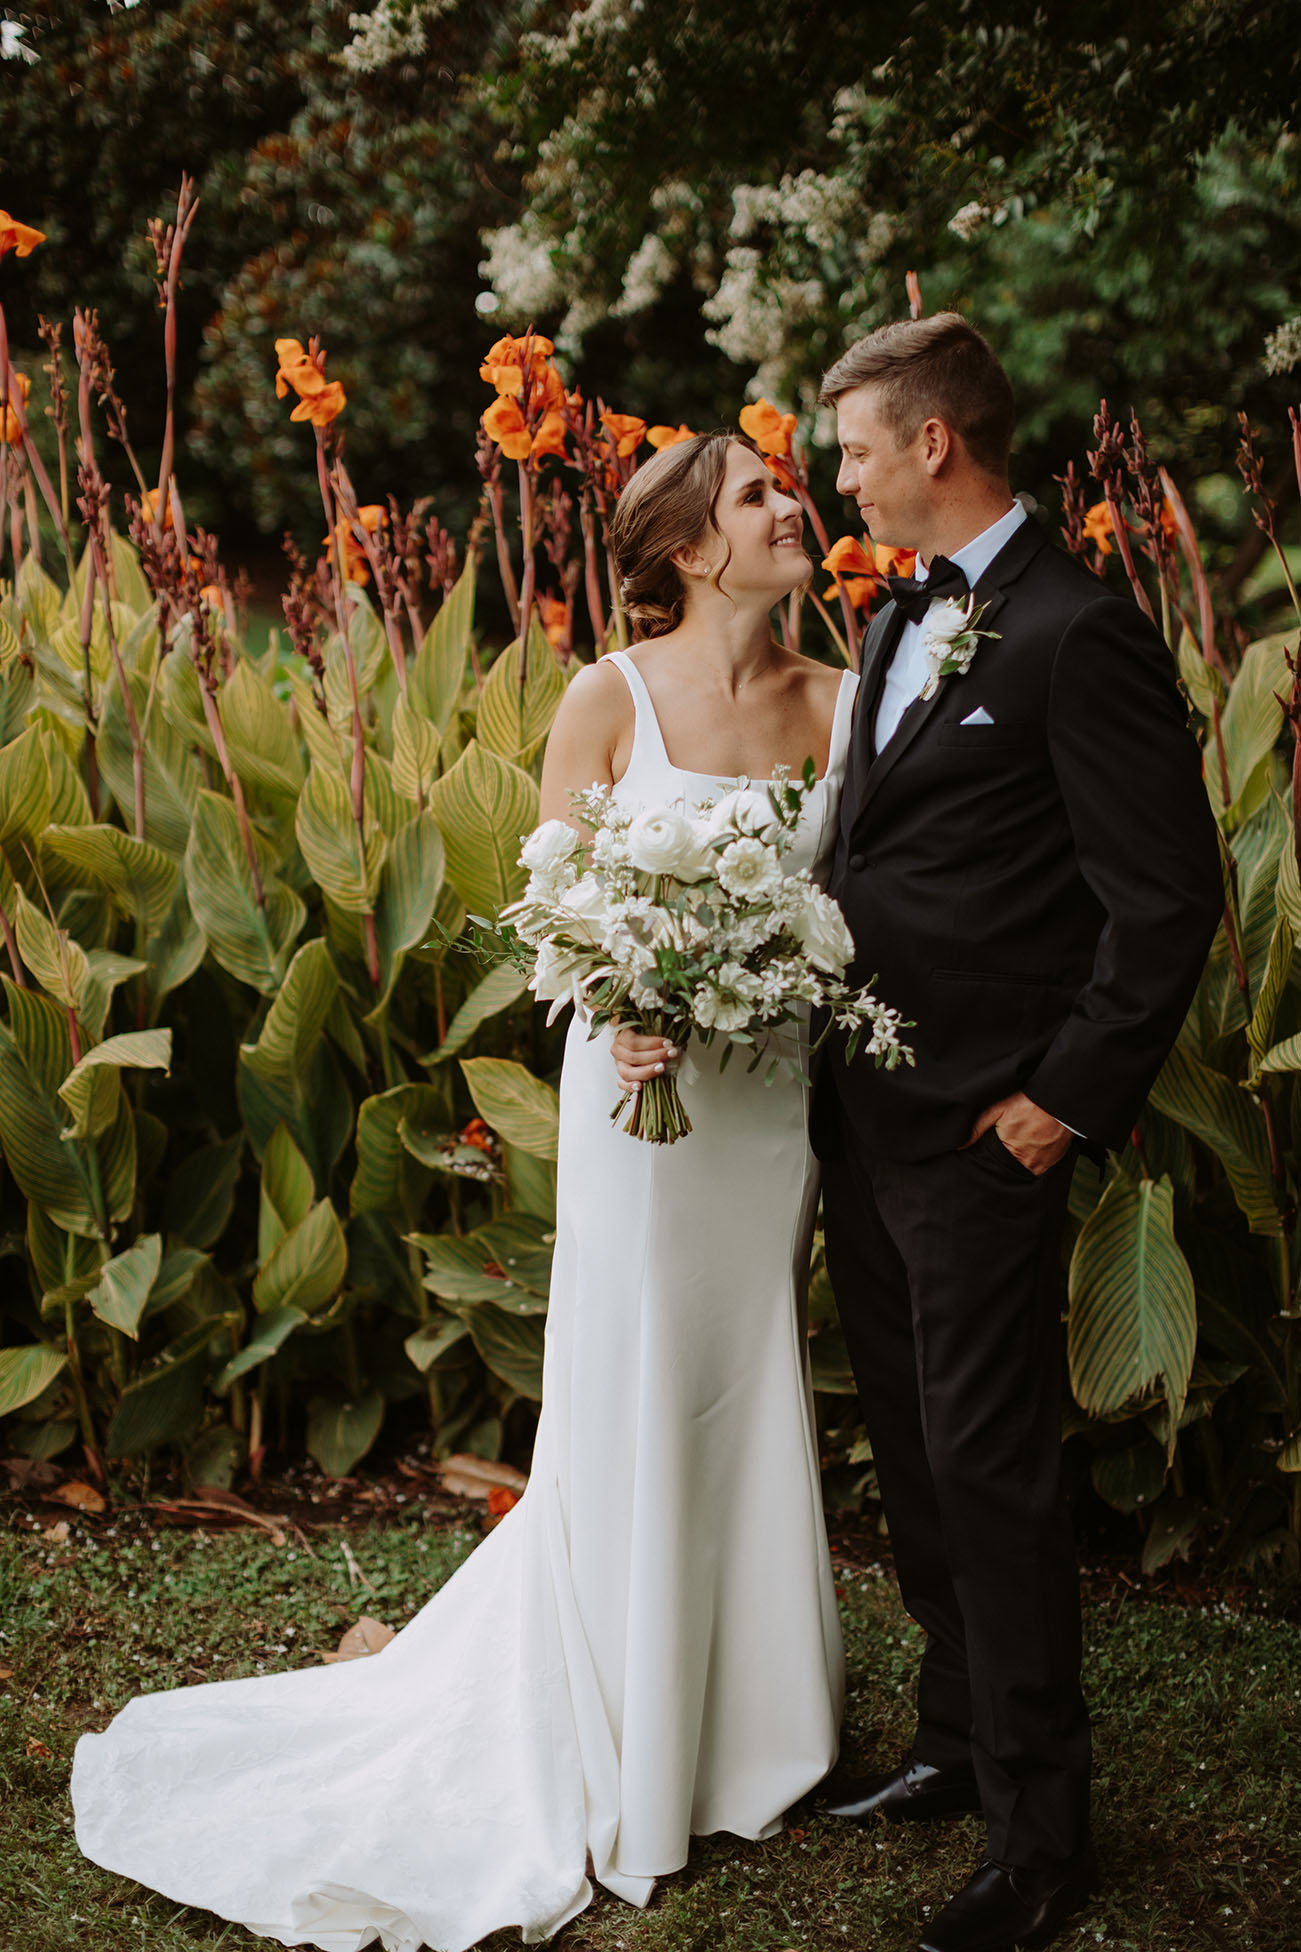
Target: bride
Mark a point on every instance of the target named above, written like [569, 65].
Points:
[647, 1646]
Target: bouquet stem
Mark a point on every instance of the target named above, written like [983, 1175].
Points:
[655, 1113]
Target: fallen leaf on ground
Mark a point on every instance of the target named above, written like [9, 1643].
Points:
[6, 1674]
[465, 1476]
[59, 1532]
[38, 1749]
[366, 1637]
[22, 1471]
[82, 1497]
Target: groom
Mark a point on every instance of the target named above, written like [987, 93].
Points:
[1028, 865]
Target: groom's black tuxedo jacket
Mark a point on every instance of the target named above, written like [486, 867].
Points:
[1039, 892]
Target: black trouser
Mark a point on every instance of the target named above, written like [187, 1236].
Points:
[947, 1273]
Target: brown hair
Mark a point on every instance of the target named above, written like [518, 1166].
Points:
[941, 368]
[668, 505]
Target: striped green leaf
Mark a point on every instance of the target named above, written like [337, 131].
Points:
[174, 950]
[270, 1331]
[377, 1182]
[24, 790]
[456, 1269]
[259, 737]
[500, 988]
[38, 596]
[408, 890]
[58, 963]
[165, 1404]
[93, 1102]
[416, 740]
[172, 778]
[143, 880]
[428, 1344]
[201, 1192]
[515, 718]
[124, 1284]
[1282, 945]
[522, 1108]
[484, 806]
[1249, 726]
[1224, 1117]
[25, 1372]
[180, 693]
[306, 1266]
[69, 801]
[253, 944]
[1133, 1309]
[49, 1170]
[340, 1431]
[345, 869]
[17, 695]
[286, 1192]
[297, 1015]
[511, 1345]
[437, 676]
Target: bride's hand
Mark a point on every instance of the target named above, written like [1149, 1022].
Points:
[638, 1057]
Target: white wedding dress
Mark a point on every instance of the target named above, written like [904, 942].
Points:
[647, 1646]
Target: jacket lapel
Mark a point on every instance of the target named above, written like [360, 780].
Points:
[990, 591]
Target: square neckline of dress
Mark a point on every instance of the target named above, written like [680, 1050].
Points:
[641, 698]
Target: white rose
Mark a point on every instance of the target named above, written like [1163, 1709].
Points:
[821, 932]
[584, 909]
[552, 974]
[662, 841]
[749, 870]
[747, 808]
[549, 847]
[947, 620]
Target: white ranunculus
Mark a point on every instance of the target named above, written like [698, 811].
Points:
[550, 846]
[584, 908]
[662, 841]
[747, 808]
[947, 620]
[749, 870]
[820, 931]
[552, 974]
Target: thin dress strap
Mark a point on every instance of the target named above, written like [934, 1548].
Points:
[646, 726]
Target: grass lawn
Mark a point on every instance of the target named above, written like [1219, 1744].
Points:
[1198, 1721]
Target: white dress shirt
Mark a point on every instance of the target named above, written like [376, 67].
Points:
[910, 664]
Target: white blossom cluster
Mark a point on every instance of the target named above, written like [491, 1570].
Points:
[682, 924]
[1283, 347]
[393, 30]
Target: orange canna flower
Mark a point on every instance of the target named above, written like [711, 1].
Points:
[780, 466]
[501, 1499]
[894, 562]
[769, 429]
[625, 430]
[555, 619]
[503, 364]
[298, 370]
[849, 557]
[11, 428]
[505, 424]
[323, 407]
[18, 237]
[212, 596]
[1168, 520]
[670, 436]
[550, 437]
[476, 1134]
[1097, 527]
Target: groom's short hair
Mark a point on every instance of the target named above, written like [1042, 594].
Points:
[933, 368]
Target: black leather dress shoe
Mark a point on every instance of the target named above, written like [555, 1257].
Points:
[1002, 1910]
[914, 1792]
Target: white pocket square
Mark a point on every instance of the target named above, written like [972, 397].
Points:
[979, 717]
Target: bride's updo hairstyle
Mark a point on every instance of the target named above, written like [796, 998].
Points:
[668, 505]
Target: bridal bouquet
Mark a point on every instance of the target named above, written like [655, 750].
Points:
[681, 926]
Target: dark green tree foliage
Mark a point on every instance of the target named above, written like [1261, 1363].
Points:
[333, 200]
[1112, 195]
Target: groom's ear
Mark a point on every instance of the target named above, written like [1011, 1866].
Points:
[936, 444]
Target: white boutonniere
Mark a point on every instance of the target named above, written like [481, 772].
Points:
[950, 639]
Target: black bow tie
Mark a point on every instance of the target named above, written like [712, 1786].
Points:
[915, 598]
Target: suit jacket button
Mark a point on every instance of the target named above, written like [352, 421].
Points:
[857, 862]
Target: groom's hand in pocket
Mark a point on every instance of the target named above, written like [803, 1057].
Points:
[638, 1057]
[1030, 1134]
